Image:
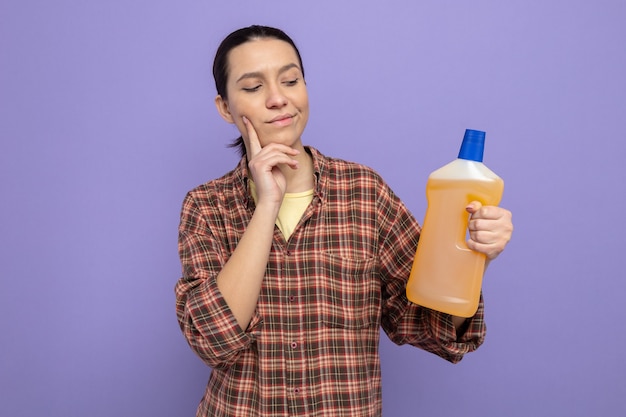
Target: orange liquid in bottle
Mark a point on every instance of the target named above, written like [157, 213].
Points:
[446, 274]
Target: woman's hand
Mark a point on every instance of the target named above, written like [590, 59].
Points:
[490, 229]
[264, 165]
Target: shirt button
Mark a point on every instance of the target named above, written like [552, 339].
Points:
[294, 345]
[296, 390]
[292, 298]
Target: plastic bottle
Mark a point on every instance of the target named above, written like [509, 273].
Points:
[446, 275]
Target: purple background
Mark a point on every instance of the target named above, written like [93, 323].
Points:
[107, 119]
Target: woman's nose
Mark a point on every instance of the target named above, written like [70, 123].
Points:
[276, 98]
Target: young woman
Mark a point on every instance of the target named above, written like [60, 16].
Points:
[294, 260]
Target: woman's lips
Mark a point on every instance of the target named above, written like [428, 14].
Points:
[282, 120]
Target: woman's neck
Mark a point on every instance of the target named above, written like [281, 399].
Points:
[300, 179]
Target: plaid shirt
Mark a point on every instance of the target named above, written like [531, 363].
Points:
[311, 348]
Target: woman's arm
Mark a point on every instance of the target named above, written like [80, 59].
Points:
[241, 278]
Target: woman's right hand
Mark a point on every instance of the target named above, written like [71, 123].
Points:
[265, 164]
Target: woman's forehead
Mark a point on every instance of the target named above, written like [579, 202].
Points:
[261, 55]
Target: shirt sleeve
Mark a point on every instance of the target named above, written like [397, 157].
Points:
[406, 322]
[205, 319]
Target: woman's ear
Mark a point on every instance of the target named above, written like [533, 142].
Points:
[223, 109]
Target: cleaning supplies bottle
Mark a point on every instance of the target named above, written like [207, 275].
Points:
[446, 275]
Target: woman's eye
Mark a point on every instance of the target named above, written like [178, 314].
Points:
[292, 82]
[251, 89]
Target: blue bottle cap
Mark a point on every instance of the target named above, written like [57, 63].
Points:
[473, 145]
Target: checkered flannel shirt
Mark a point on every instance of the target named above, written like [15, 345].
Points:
[312, 346]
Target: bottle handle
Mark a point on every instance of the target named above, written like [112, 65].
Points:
[463, 235]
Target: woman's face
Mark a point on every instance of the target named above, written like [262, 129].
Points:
[265, 84]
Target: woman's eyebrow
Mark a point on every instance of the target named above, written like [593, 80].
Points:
[258, 74]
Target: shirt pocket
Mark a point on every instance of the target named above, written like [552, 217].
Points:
[349, 292]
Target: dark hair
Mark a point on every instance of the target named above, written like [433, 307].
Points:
[236, 38]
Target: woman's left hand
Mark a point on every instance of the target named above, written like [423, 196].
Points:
[490, 229]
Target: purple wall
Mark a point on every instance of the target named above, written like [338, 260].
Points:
[107, 119]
